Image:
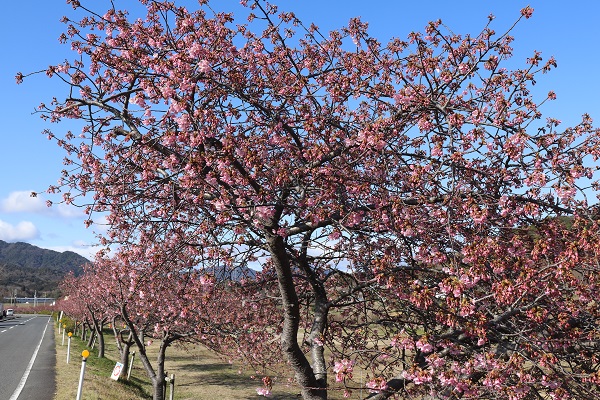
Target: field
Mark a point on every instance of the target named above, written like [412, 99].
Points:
[199, 374]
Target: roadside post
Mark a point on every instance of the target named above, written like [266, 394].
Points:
[85, 354]
[63, 337]
[69, 346]
[130, 365]
[171, 381]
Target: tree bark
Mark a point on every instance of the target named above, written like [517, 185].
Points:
[97, 325]
[91, 338]
[100, 334]
[157, 376]
[159, 384]
[125, 357]
[124, 345]
[311, 387]
[316, 335]
[117, 335]
[83, 330]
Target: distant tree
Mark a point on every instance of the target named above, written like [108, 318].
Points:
[75, 303]
[82, 304]
[158, 300]
[402, 197]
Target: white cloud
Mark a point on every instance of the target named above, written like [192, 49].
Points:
[23, 231]
[100, 223]
[68, 211]
[23, 202]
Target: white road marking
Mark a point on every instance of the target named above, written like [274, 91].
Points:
[20, 323]
[19, 388]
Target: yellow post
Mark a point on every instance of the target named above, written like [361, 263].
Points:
[69, 347]
[85, 354]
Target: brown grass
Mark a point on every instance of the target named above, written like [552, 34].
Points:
[199, 374]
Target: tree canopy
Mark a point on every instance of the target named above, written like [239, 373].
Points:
[404, 201]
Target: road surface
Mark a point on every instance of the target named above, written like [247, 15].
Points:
[27, 356]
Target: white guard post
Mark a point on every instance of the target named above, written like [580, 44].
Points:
[85, 354]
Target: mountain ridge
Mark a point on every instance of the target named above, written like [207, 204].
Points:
[28, 269]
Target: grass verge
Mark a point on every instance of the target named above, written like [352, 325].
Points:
[97, 384]
[199, 375]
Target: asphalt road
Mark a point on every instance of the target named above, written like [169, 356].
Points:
[27, 356]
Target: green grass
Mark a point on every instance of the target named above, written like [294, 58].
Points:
[199, 375]
[97, 383]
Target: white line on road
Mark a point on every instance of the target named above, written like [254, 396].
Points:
[19, 388]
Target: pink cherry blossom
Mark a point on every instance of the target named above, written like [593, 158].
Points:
[403, 208]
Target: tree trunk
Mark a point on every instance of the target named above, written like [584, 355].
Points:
[316, 335]
[117, 335]
[98, 324]
[75, 328]
[125, 349]
[317, 332]
[158, 384]
[91, 339]
[125, 357]
[312, 388]
[83, 330]
[100, 336]
[156, 376]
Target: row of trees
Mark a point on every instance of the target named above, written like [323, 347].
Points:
[170, 304]
[410, 211]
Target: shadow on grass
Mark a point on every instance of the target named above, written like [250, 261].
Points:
[208, 367]
[136, 386]
[217, 374]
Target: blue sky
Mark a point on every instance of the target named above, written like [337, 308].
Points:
[569, 30]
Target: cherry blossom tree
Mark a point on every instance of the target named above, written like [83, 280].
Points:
[159, 300]
[407, 203]
[71, 304]
[84, 302]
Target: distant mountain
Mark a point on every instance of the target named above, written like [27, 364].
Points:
[27, 269]
[223, 273]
